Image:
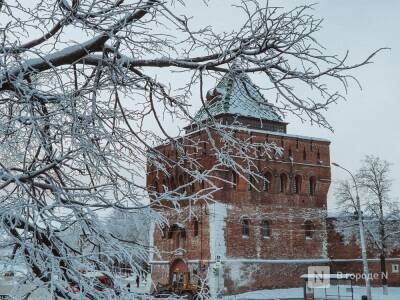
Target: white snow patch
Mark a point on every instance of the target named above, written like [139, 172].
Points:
[218, 213]
[238, 276]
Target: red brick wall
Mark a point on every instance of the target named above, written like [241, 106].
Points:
[197, 247]
[286, 213]
[287, 235]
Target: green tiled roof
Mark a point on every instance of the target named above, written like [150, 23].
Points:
[235, 94]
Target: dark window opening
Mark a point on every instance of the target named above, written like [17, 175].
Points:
[245, 227]
[283, 183]
[297, 184]
[196, 228]
[267, 182]
[308, 229]
[266, 229]
[312, 185]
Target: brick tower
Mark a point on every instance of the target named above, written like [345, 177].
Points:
[254, 236]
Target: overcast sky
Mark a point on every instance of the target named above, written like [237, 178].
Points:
[368, 122]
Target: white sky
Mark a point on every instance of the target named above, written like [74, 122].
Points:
[368, 122]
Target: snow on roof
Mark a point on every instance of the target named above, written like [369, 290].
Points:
[236, 94]
[295, 136]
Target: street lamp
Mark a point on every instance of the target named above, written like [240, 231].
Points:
[362, 234]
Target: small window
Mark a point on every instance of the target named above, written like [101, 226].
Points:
[245, 227]
[297, 184]
[196, 228]
[395, 268]
[266, 230]
[312, 185]
[304, 154]
[267, 182]
[308, 230]
[282, 183]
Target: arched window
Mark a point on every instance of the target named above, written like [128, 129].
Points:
[245, 227]
[195, 228]
[297, 184]
[266, 231]
[282, 183]
[312, 185]
[304, 154]
[267, 182]
[308, 229]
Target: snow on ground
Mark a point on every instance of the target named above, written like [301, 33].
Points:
[297, 293]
